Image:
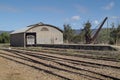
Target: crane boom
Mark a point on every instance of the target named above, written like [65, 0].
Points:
[97, 32]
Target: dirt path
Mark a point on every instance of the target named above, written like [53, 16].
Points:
[65, 67]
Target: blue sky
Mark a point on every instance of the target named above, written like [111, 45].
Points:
[16, 14]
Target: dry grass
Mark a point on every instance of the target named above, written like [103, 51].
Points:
[107, 55]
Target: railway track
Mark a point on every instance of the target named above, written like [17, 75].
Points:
[65, 67]
[99, 55]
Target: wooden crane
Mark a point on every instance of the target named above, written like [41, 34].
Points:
[93, 38]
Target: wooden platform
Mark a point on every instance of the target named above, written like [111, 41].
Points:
[78, 46]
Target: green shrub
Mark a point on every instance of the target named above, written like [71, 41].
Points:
[4, 37]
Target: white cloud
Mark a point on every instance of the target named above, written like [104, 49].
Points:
[8, 8]
[114, 17]
[72, 19]
[96, 22]
[109, 6]
[75, 18]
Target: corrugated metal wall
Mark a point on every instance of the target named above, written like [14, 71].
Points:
[17, 39]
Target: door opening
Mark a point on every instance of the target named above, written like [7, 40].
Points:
[30, 39]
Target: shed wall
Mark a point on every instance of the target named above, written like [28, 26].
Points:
[49, 36]
[17, 39]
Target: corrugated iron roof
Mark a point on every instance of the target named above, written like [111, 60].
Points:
[32, 26]
[20, 30]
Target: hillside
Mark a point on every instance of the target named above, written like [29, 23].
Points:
[1, 31]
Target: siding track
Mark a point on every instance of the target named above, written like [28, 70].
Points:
[65, 67]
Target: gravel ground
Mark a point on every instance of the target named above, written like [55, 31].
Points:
[29, 65]
[10, 70]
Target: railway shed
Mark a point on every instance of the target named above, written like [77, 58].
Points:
[36, 34]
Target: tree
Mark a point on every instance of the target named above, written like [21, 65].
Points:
[79, 38]
[103, 36]
[4, 38]
[76, 38]
[87, 29]
[114, 35]
[68, 33]
[118, 34]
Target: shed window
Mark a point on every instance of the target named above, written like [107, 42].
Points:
[44, 29]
